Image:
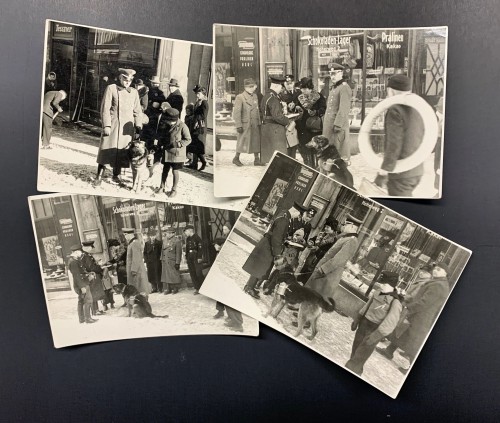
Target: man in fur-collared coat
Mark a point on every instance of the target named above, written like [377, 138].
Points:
[328, 272]
[121, 117]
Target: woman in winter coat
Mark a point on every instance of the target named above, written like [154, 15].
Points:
[174, 143]
[312, 105]
[199, 129]
[137, 274]
[246, 116]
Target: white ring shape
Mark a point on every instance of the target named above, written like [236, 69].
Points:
[425, 148]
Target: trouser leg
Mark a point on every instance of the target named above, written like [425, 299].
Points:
[235, 316]
[360, 350]
[46, 130]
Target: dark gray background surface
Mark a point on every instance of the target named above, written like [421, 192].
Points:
[215, 378]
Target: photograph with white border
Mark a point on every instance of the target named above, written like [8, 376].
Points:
[126, 114]
[118, 268]
[338, 272]
[362, 105]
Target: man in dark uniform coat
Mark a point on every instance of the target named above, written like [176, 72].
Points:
[194, 256]
[270, 248]
[404, 132]
[289, 93]
[155, 95]
[302, 222]
[274, 122]
[51, 108]
[175, 98]
[81, 285]
[152, 257]
[89, 263]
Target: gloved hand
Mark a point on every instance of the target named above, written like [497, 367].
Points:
[336, 129]
[83, 290]
[177, 266]
[106, 131]
[312, 112]
[239, 130]
[355, 323]
[381, 181]
[134, 273]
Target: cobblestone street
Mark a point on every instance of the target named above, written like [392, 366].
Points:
[188, 315]
[334, 339]
[243, 180]
[70, 166]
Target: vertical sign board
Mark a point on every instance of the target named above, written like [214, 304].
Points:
[246, 55]
[66, 224]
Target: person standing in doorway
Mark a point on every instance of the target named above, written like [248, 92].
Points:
[194, 257]
[175, 98]
[50, 82]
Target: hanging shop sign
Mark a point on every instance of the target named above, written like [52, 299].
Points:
[393, 39]
[329, 40]
[62, 31]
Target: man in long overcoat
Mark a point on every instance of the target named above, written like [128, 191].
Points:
[152, 257]
[90, 264]
[328, 272]
[136, 270]
[274, 122]
[175, 98]
[270, 248]
[171, 256]
[336, 119]
[81, 285]
[194, 257]
[247, 120]
[121, 118]
[404, 132]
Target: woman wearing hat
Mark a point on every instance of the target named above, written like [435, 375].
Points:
[174, 143]
[121, 118]
[175, 98]
[336, 122]
[199, 128]
[246, 116]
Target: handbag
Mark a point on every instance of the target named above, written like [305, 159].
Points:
[292, 138]
[314, 124]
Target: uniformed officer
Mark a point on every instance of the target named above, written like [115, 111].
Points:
[336, 119]
[152, 258]
[81, 285]
[89, 263]
[269, 249]
[289, 93]
[171, 255]
[274, 122]
[194, 254]
[303, 222]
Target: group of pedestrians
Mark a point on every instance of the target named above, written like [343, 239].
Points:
[403, 317]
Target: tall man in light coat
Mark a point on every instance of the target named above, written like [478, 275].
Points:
[328, 272]
[336, 119]
[137, 274]
[121, 118]
[246, 116]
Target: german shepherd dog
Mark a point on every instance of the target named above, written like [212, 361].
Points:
[140, 307]
[126, 292]
[311, 304]
[138, 154]
[329, 161]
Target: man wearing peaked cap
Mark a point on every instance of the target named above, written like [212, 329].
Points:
[194, 256]
[90, 265]
[275, 123]
[175, 97]
[121, 119]
[303, 221]
[246, 116]
[404, 133]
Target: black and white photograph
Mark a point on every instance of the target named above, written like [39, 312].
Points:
[364, 106]
[338, 272]
[117, 268]
[127, 114]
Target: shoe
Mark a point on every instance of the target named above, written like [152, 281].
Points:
[112, 306]
[90, 320]
[81, 321]
[384, 352]
[307, 325]
[172, 193]
[403, 370]
[202, 168]
[196, 292]
[292, 307]
[258, 163]
[159, 189]
[167, 292]
[117, 180]
[106, 308]
[252, 293]
[97, 182]
[237, 162]
[100, 312]
[219, 315]
[175, 291]
[234, 326]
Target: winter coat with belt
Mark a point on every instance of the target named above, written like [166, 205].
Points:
[136, 270]
[246, 115]
[273, 132]
[171, 255]
[174, 143]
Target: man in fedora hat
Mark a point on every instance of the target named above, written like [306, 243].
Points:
[143, 91]
[246, 116]
[269, 249]
[155, 95]
[303, 222]
[404, 132]
[336, 119]
[175, 97]
[121, 118]
[423, 301]
[328, 272]
[194, 256]
[274, 123]
[90, 265]
[81, 284]
[152, 257]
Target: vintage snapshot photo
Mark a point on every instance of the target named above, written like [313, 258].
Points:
[338, 272]
[127, 115]
[363, 106]
[118, 268]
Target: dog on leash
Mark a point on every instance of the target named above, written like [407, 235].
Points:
[138, 154]
[329, 161]
[126, 291]
[140, 307]
[311, 304]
